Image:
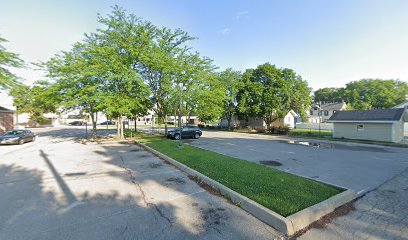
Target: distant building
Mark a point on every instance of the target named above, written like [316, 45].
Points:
[322, 112]
[7, 119]
[385, 125]
[148, 119]
[193, 120]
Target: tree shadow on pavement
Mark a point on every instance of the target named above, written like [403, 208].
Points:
[114, 197]
[71, 134]
[191, 211]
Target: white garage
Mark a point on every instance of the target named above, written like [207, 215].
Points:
[385, 125]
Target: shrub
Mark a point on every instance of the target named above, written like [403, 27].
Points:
[280, 130]
[260, 130]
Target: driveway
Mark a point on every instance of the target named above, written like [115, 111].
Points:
[58, 188]
[358, 167]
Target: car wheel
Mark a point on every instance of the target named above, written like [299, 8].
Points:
[196, 135]
[20, 142]
[177, 136]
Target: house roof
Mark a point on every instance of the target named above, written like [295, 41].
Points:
[378, 115]
[402, 105]
[293, 113]
[332, 106]
[3, 109]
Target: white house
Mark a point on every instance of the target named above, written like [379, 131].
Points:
[385, 125]
[289, 120]
[322, 112]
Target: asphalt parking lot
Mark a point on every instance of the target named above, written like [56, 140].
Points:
[58, 188]
[359, 167]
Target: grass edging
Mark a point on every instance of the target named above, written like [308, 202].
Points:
[287, 225]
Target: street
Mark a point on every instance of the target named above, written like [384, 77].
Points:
[58, 188]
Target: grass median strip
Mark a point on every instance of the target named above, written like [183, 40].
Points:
[281, 192]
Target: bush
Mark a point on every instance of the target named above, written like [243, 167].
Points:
[260, 130]
[280, 130]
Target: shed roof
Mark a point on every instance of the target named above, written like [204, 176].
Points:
[378, 115]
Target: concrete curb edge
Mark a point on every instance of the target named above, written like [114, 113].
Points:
[287, 225]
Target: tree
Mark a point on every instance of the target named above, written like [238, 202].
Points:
[124, 43]
[168, 64]
[375, 93]
[210, 98]
[199, 91]
[101, 73]
[36, 100]
[300, 97]
[128, 65]
[78, 79]
[329, 95]
[230, 81]
[8, 59]
[270, 93]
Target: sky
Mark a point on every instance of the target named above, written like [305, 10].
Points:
[328, 43]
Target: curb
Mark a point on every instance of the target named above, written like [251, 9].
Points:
[287, 225]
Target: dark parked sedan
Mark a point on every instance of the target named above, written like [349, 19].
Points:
[76, 123]
[107, 123]
[186, 132]
[17, 136]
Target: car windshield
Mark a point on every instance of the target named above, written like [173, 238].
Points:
[15, 132]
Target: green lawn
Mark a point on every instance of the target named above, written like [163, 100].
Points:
[279, 191]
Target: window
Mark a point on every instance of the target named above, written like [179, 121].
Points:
[360, 127]
[326, 113]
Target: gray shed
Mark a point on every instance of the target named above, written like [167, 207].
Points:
[385, 125]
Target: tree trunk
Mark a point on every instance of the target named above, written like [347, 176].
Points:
[118, 127]
[188, 119]
[229, 117]
[268, 122]
[121, 126]
[135, 123]
[165, 125]
[94, 133]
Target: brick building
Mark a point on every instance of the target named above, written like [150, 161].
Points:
[7, 119]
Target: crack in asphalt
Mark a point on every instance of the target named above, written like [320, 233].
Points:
[139, 187]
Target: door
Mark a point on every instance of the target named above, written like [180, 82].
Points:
[186, 133]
